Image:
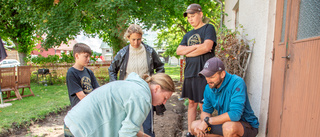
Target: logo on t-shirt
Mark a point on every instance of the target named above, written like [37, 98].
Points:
[194, 39]
[86, 84]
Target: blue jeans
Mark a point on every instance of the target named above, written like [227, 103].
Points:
[148, 123]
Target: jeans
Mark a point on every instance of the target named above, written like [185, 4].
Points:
[148, 125]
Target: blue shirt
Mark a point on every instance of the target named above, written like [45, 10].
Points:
[232, 98]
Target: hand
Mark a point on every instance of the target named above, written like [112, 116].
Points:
[199, 133]
[141, 134]
[203, 126]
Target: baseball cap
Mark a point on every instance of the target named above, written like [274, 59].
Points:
[192, 8]
[212, 66]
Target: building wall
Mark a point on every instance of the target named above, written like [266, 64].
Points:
[12, 54]
[55, 50]
[42, 51]
[257, 19]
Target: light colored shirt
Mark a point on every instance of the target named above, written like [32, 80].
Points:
[116, 109]
[137, 61]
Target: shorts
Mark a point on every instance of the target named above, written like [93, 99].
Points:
[193, 88]
[249, 131]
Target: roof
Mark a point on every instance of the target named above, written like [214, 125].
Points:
[68, 46]
[104, 45]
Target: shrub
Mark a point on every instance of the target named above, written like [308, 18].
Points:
[234, 50]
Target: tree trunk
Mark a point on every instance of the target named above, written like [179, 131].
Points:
[21, 58]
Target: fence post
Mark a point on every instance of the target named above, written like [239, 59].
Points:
[181, 68]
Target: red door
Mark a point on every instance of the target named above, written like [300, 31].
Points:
[294, 109]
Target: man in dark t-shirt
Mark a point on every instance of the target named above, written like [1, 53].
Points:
[198, 46]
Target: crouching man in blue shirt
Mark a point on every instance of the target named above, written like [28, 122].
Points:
[227, 94]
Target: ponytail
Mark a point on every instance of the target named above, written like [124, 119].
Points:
[161, 79]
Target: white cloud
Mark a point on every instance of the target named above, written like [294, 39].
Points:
[93, 43]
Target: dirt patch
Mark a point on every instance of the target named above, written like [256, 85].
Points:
[171, 124]
[51, 126]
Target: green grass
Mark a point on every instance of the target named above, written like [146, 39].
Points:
[173, 71]
[51, 98]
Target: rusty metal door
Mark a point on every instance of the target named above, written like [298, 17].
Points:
[294, 108]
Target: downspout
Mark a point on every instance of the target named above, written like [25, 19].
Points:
[221, 14]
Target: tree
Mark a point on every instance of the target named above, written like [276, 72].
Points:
[171, 36]
[16, 25]
[106, 18]
[62, 20]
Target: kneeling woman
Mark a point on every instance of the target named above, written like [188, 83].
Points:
[119, 108]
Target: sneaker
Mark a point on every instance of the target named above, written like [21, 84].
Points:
[189, 135]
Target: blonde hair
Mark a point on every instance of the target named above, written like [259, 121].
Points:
[161, 79]
[133, 28]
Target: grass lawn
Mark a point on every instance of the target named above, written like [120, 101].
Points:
[47, 99]
[173, 71]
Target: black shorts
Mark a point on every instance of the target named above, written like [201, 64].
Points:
[249, 131]
[193, 88]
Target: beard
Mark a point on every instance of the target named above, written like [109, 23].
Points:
[215, 85]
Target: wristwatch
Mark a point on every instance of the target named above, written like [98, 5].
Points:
[206, 119]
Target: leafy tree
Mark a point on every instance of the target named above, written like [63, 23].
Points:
[16, 25]
[171, 37]
[62, 20]
[106, 18]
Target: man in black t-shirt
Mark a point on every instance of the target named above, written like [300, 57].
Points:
[198, 46]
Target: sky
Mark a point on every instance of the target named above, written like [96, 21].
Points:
[93, 43]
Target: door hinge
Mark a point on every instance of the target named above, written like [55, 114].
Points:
[273, 52]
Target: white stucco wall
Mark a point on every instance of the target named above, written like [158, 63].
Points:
[258, 19]
[229, 20]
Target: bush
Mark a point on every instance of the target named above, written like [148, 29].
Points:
[234, 50]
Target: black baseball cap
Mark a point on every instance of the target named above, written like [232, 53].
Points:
[192, 8]
[212, 66]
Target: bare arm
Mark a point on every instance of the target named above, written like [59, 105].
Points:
[203, 48]
[81, 95]
[216, 120]
[204, 114]
[200, 130]
[141, 134]
[220, 119]
[184, 50]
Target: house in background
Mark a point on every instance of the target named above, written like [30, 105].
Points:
[283, 75]
[107, 51]
[150, 38]
[63, 48]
